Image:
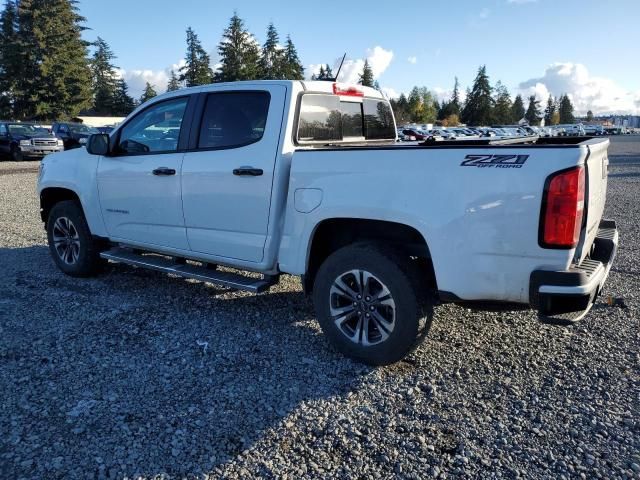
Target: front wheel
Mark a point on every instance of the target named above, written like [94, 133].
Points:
[71, 244]
[16, 154]
[369, 304]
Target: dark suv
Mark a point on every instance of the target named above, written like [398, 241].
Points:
[73, 134]
[26, 140]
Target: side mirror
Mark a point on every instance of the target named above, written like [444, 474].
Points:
[98, 144]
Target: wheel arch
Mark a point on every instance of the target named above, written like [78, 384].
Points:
[51, 195]
[332, 234]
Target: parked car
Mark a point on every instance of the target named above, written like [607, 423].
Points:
[415, 134]
[106, 129]
[73, 135]
[27, 140]
[594, 130]
[372, 230]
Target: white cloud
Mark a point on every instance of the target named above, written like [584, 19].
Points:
[137, 79]
[412, 60]
[599, 94]
[379, 60]
[390, 92]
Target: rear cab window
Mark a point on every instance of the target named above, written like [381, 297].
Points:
[326, 119]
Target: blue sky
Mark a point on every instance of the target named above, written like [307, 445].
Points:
[589, 48]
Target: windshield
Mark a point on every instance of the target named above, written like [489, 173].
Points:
[83, 129]
[22, 129]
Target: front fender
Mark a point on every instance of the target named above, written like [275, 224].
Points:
[75, 170]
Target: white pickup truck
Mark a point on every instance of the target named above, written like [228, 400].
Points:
[305, 178]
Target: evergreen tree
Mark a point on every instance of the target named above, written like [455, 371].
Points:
[123, 104]
[104, 78]
[517, 109]
[533, 111]
[197, 69]
[325, 73]
[549, 111]
[566, 110]
[453, 107]
[502, 113]
[400, 108]
[148, 93]
[328, 74]
[272, 61]
[319, 75]
[9, 58]
[174, 82]
[54, 80]
[366, 77]
[414, 105]
[292, 68]
[479, 106]
[589, 116]
[239, 53]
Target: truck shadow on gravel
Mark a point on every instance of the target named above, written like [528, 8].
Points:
[135, 372]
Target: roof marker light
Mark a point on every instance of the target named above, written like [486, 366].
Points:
[347, 90]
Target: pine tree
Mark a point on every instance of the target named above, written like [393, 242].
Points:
[328, 73]
[104, 78]
[54, 80]
[9, 58]
[319, 75]
[453, 107]
[148, 93]
[239, 53]
[517, 109]
[196, 70]
[366, 77]
[272, 61]
[292, 68]
[549, 111]
[533, 111]
[479, 106]
[123, 104]
[174, 82]
[502, 112]
[589, 116]
[566, 110]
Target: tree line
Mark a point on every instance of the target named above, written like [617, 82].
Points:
[483, 105]
[48, 72]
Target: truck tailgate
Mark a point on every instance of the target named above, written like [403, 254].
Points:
[596, 163]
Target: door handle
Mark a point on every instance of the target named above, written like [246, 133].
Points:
[164, 171]
[248, 171]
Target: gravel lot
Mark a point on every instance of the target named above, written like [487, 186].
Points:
[139, 375]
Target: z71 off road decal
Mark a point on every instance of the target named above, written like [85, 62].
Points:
[494, 161]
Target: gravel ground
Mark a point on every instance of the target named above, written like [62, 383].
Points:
[139, 375]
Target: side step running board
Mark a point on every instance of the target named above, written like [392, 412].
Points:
[169, 265]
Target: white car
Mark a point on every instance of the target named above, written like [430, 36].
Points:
[304, 178]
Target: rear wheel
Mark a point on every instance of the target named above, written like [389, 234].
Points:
[368, 303]
[71, 244]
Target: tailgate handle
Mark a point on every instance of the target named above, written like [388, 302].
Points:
[248, 171]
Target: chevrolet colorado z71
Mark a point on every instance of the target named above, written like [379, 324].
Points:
[305, 178]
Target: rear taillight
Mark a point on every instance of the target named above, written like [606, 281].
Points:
[562, 209]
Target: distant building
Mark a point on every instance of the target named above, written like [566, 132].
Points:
[629, 121]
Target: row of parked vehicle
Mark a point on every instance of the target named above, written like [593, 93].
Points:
[23, 140]
[425, 132]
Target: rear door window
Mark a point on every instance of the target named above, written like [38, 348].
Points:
[233, 119]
